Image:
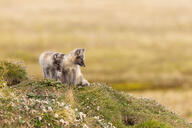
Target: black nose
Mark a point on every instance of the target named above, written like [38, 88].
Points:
[82, 64]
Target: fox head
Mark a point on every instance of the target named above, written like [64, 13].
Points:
[79, 57]
[58, 57]
[57, 60]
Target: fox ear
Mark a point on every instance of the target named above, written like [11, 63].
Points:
[55, 55]
[62, 55]
[79, 51]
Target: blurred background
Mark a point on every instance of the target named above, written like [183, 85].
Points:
[143, 47]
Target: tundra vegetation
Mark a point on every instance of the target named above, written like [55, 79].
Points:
[131, 44]
[48, 103]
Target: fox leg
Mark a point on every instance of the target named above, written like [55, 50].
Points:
[63, 77]
[53, 74]
[83, 81]
[45, 72]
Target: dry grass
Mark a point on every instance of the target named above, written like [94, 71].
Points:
[70, 97]
[178, 100]
[125, 40]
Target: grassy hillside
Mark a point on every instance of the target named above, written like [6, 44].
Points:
[178, 100]
[48, 103]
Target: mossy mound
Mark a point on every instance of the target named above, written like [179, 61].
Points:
[11, 73]
[48, 103]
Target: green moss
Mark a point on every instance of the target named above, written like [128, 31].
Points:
[12, 73]
[94, 97]
[132, 86]
[153, 124]
[123, 110]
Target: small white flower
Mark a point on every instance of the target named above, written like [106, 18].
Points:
[42, 107]
[110, 124]
[45, 102]
[49, 124]
[38, 101]
[96, 117]
[100, 120]
[39, 118]
[62, 104]
[67, 107]
[85, 126]
[62, 121]
[56, 116]
[44, 110]
[76, 109]
[12, 104]
[77, 120]
[98, 107]
[82, 115]
[26, 107]
[58, 103]
[50, 109]
[4, 84]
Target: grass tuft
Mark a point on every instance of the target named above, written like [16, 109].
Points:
[12, 73]
[153, 124]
